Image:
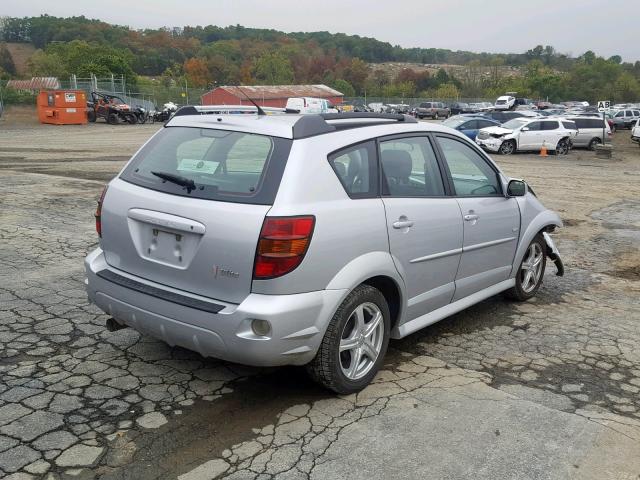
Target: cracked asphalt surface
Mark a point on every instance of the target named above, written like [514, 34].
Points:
[540, 390]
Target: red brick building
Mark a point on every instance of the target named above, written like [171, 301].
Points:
[268, 95]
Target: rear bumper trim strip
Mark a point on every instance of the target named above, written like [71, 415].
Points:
[159, 293]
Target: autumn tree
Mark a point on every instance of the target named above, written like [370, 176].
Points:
[196, 71]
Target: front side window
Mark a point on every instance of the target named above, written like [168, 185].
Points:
[355, 168]
[211, 164]
[534, 126]
[471, 174]
[410, 168]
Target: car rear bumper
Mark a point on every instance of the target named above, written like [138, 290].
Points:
[298, 321]
[491, 144]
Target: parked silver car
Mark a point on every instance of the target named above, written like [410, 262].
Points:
[434, 110]
[310, 240]
[590, 130]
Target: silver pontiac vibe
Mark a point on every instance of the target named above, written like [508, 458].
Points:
[310, 239]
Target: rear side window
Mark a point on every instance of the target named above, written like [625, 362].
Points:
[569, 125]
[549, 125]
[221, 164]
[410, 168]
[355, 167]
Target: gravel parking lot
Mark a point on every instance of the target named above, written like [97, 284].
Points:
[541, 390]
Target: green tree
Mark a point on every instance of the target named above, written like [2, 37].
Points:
[273, 69]
[43, 64]
[344, 87]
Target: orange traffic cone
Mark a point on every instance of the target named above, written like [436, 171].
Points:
[543, 150]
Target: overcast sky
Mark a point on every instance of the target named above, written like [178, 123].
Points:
[571, 26]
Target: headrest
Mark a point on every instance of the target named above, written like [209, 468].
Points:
[396, 163]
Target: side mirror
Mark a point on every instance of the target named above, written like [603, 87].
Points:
[516, 188]
[525, 129]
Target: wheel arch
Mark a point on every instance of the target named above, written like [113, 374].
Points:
[544, 221]
[378, 270]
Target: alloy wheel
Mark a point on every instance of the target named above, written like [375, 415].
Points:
[361, 341]
[562, 148]
[507, 148]
[531, 268]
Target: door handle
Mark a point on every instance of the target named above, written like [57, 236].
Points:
[470, 217]
[402, 224]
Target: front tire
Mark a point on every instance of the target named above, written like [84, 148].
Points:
[530, 271]
[508, 147]
[355, 343]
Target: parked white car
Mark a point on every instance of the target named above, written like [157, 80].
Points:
[635, 133]
[506, 102]
[309, 105]
[526, 134]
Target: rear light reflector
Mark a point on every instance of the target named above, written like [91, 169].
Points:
[98, 213]
[282, 245]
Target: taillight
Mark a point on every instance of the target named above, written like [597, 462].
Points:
[98, 214]
[282, 245]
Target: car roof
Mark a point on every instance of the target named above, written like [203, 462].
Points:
[284, 125]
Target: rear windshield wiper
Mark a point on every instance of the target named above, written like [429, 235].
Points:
[177, 179]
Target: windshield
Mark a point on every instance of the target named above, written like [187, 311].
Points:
[515, 123]
[211, 164]
[454, 122]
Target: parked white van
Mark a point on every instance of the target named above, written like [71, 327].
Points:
[306, 105]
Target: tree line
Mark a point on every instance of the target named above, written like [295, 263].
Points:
[211, 55]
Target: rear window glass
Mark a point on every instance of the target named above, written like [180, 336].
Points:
[211, 164]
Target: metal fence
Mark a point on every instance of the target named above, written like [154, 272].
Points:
[414, 100]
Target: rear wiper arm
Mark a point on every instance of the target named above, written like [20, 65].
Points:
[177, 179]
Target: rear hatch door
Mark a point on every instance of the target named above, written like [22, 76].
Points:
[203, 239]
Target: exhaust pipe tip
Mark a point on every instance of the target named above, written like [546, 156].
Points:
[113, 325]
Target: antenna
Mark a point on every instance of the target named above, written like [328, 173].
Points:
[260, 111]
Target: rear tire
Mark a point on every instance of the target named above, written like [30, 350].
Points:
[358, 331]
[91, 116]
[530, 271]
[593, 143]
[435, 116]
[562, 148]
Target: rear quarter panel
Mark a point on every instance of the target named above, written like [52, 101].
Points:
[345, 229]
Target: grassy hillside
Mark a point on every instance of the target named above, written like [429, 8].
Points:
[20, 53]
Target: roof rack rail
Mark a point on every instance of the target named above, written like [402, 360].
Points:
[368, 115]
[224, 110]
[312, 125]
